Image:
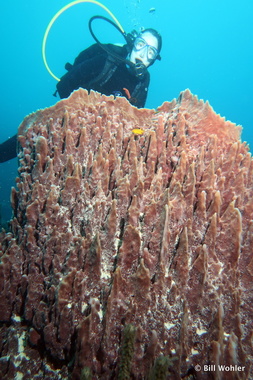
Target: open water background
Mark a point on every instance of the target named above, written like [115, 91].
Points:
[207, 47]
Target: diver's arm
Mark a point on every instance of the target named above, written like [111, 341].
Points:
[89, 53]
[85, 69]
[72, 80]
[8, 149]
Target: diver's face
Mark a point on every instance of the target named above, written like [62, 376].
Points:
[145, 49]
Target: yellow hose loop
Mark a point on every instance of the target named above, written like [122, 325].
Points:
[57, 15]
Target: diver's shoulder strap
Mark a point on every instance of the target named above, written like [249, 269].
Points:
[106, 74]
[139, 94]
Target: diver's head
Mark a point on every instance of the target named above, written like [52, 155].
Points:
[146, 47]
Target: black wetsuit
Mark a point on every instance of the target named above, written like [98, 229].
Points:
[95, 69]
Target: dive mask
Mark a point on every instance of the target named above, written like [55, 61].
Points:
[151, 51]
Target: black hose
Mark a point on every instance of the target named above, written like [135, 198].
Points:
[128, 38]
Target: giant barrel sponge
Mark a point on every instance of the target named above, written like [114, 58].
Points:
[130, 251]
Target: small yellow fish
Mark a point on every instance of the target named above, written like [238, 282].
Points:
[137, 131]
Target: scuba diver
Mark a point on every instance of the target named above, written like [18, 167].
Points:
[115, 70]
[109, 69]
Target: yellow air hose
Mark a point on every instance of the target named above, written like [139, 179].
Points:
[57, 15]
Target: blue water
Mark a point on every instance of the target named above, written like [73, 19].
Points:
[207, 47]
